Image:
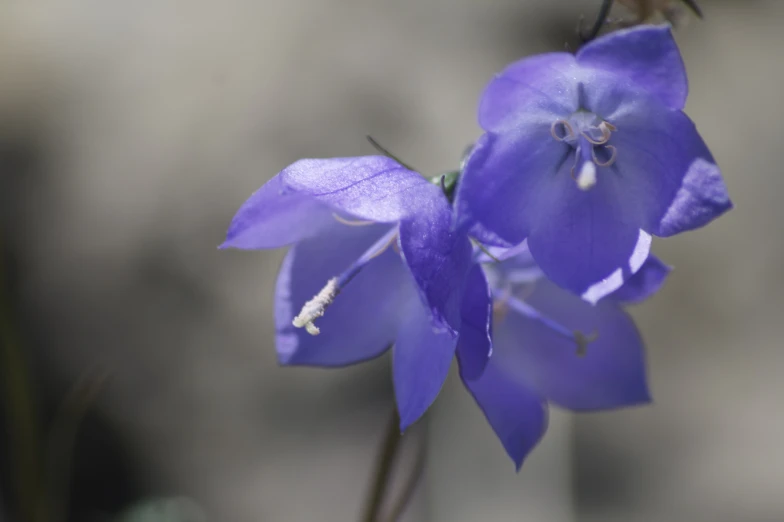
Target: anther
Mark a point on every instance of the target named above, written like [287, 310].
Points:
[613, 155]
[316, 307]
[583, 341]
[568, 131]
[605, 128]
[605, 137]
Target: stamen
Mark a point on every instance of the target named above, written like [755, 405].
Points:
[597, 141]
[605, 128]
[568, 130]
[350, 222]
[316, 307]
[384, 248]
[484, 250]
[583, 341]
[587, 176]
[613, 155]
[529, 311]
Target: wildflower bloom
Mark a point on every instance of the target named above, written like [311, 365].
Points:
[587, 156]
[373, 261]
[550, 346]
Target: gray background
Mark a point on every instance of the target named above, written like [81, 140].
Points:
[131, 132]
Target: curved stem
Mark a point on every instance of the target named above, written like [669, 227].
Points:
[601, 18]
[383, 469]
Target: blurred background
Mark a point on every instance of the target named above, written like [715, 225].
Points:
[138, 370]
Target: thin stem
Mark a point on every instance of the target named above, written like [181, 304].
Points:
[383, 150]
[63, 437]
[692, 4]
[383, 469]
[601, 18]
[413, 480]
[20, 409]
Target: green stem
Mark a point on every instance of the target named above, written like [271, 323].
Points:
[21, 421]
[383, 469]
[62, 440]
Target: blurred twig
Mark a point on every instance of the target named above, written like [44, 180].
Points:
[412, 482]
[383, 469]
[63, 436]
[21, 421]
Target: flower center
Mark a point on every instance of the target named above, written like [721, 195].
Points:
[589, 136]
[317, 306]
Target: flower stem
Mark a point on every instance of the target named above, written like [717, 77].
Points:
[383, 469]
[601, 18]
[21, 421]
[63, 437]
[413, 480]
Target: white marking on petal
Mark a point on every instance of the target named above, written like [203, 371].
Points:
[641, 251]
[604, 287]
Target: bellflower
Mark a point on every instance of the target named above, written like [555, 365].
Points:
[587, 156]
[550, 346]
[373, 262]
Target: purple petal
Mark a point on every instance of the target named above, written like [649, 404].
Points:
[502, 178]
[517, 264]
[611, 372]
[515, 412]
[487, 237]
[537, 88]
[588, 242]
[647, 56]
[420, 362]
[474, 344]
[375, 188]
[642, 285]
[439, 260]
[273, 218]
[667, 168]
[362, 321]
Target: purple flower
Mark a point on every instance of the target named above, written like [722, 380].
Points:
[373, 262]
[587, 156]
[550, 346]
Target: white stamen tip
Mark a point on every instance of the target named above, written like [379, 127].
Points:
[316, 307]
[587, 176]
